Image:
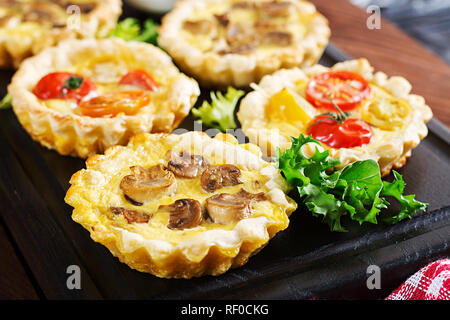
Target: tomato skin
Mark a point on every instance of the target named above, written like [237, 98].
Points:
[51, 86]
[111, 104]
[337, 86]
[350, 133]
[139, 78]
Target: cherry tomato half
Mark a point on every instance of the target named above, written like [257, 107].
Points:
[350, 133]
[139, 78]
[59, 85]
[111, 104]
[346, 89]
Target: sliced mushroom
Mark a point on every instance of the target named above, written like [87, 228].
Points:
[226, 208]
[6, 19]
[85, 7]
[37, 15]
[144, 185]
[276, 9]
[43, 13]
[238, 34]
[184, 214]
[277, 38]
[242, 48]
[198, 27]
[185, 165]
[239, 39]
[216, 177]
[132, 216]
[243, 5]
[223, 19]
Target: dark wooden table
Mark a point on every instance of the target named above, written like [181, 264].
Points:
[388, 49]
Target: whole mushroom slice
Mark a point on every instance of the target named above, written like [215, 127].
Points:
[226, 208]
[279, 38]
[132, 216]
[144, 185]
[276, 9]
[184, 214]
[203, 27]
[219, 176]
[185, 165]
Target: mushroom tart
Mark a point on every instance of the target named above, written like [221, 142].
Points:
[355, 113]
[29, 26]
[236, 42]
[181, 206]
[86, 95]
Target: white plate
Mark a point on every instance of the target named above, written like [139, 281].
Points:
[154, 6]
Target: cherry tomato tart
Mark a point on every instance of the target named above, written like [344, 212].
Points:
[83, 96]
[356, 113]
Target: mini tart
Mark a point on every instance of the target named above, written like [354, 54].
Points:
[391, 143]
[27, 27]
[236, 42]
[153, 245]
[58, 124]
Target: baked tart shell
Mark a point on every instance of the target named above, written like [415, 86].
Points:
[211, 252]
[99, 23]
[82, 136]
[390, 152]
[239, 70]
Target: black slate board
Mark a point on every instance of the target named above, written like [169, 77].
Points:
[304, 261]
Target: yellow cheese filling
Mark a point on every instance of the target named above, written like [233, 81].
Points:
[110, 195]
[296, 24]
[14, 16]
[106, 71]
[386, 113]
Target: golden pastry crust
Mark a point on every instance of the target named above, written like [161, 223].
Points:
[22, 39]
[213, 68]
[153, 247]
[74, 134]
[390, 147]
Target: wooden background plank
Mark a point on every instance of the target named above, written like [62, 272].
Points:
[46, 250]
[392, 51]
[14, 281]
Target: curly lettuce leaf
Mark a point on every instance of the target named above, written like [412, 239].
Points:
[6, 102]
[298, 169]
[219, 113]
[408, 205]
[130, 29]
[356, 189]
[362, 187]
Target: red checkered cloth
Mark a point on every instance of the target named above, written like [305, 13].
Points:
[429, 283]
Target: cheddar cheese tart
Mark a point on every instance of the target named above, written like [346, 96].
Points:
[181, 206]
[29, 26]
[86, 95]
[355, 113]
[236, 42]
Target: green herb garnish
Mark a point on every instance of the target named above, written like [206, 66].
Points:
[73, 83]
[6, 102]
[130, 29]
[219, 113]
[355, 190]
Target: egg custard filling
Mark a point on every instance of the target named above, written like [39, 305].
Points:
[28, 26]
[181, 206]
[238, 41]
[86, 95]
[355, 113]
